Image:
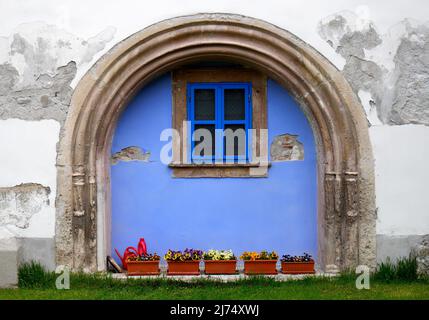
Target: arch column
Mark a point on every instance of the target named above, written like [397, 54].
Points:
[346, 210]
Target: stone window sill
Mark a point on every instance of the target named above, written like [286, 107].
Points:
[219, 170]
[215, 165]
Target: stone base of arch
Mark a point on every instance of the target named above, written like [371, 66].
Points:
[346, 198]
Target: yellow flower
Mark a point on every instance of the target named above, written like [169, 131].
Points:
[254, 256]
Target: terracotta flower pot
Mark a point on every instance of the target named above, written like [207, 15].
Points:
[184, 268]
[220, 266]
[298, 267]
[260, 267]
[141, 268]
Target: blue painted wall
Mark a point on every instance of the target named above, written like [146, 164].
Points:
[274, 213]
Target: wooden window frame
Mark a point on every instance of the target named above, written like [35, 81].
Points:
[181, 164]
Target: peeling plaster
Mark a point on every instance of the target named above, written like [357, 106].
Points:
[286, 147]
[47, 98]
[19, 203]
[39, 48]
[388, 72]
[130, 154]
[370, 107]
[377, 88]
[38, 63]
[411, 86]
[28, 153]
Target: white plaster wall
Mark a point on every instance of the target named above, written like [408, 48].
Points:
[401, 152]
[28, 155]
[402, 175]
[130, 16]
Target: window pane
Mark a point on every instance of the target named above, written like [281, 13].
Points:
[234, 104]
[204, 104]
[234, 140]
[204, 137]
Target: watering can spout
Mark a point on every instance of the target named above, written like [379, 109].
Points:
[119, 255]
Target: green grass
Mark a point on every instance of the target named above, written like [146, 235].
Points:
[247, 289]
[36, 283]
[33, 275]
[403, 269]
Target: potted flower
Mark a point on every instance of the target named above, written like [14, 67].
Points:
[297, 264]
[138, 262]
[146, 264]
[132, 251]
[185, 262]
[219, 262]
[260, 263]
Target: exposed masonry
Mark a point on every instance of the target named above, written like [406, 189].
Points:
[398, 86]
[38, 63]
[47, 98]
[19, 203]
[411, 95]
[130, 154]
[422, 256]
[286, 147]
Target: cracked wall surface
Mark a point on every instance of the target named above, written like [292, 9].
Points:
[389, 71]
[393, 67]
[38, 63]
[27, 172]
[385, 61]
[19, 203]
[130, 154]
[48, 97]
[286, 147]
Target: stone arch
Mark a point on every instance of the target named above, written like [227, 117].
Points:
[346, 200]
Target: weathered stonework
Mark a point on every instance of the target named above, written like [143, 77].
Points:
[422, 255]
[345, 164]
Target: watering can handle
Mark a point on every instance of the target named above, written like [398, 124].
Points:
[129, 252]
[132, 251]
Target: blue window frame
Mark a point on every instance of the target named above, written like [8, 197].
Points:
[218, 107]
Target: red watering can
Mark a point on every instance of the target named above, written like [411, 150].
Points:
[133, 252]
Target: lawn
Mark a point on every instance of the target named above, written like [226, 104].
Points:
[390, 281]
[100, 287]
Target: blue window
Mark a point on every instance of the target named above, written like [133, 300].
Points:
[220, 116]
